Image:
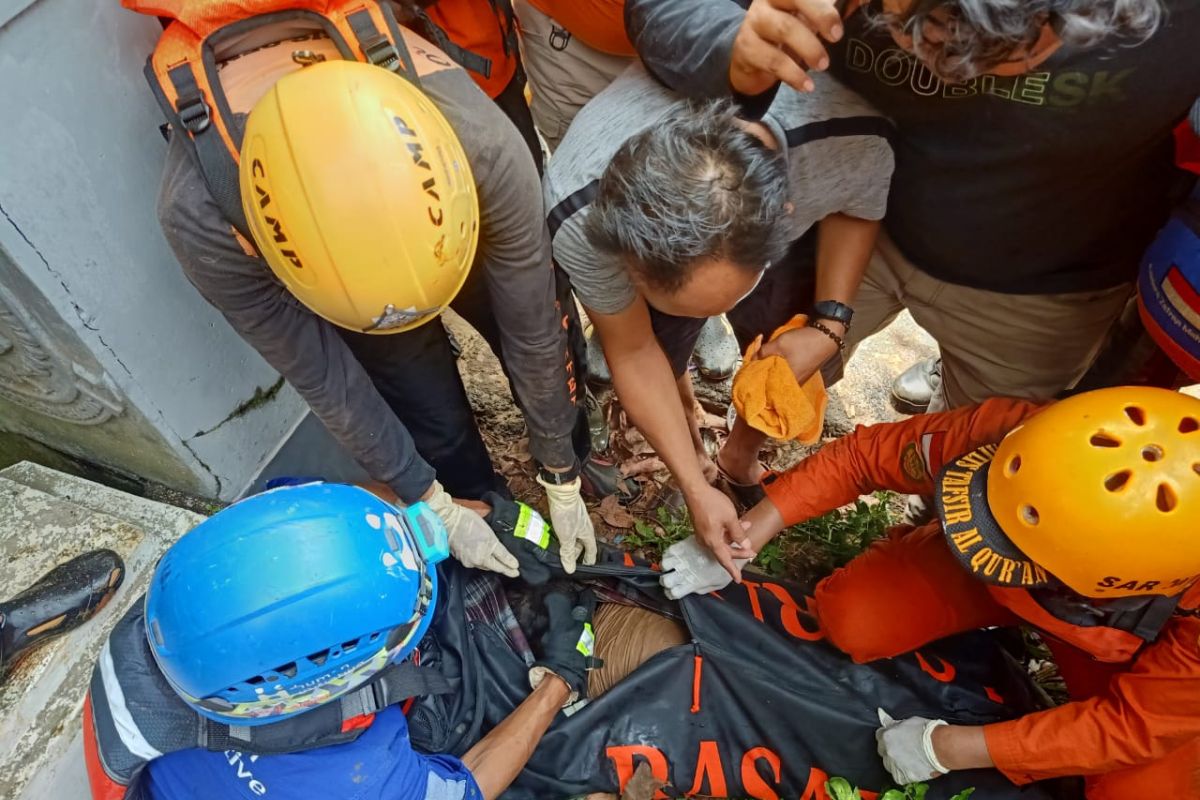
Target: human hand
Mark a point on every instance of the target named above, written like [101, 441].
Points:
[525, 535]
[569, 643]
[472, 541]
[690, 568]
[572, 525]
[778, 39]
[717, 526]
[805, 349]
[906, 747]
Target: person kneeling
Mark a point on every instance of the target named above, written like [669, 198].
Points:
[1077, 519]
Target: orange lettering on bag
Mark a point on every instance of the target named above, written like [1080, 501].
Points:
[753, 783]
[945, 674]
[708, 766]
[790, 612]
[752, 593]
[623, 757]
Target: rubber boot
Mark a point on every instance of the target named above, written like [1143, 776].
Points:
[62, 600]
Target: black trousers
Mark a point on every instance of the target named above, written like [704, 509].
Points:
[417, 375]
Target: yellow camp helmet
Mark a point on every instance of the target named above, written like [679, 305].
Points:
[359, 196]
[1103, 491]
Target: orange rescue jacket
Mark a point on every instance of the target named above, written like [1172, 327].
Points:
[1147, 711]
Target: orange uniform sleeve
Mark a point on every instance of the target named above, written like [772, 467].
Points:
[899, 456]
[1147, 712]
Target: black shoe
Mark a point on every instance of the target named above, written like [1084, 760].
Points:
[600, 478]
[65, 598]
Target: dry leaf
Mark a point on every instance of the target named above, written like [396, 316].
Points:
[613, 514]
[643, 785]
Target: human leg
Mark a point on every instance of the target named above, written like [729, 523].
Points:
[901, 593]
[512, 102]
[992, 344]
[564, 73]
[415, 372]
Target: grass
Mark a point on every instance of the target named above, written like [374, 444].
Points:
[841, 789]
[802, 552]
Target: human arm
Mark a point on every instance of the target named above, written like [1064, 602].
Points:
[305, 349]
[708, 48]
[844, 247]
[646, 388]
[899, 456]
[1144, 714]
[514, 252]
[497, 758]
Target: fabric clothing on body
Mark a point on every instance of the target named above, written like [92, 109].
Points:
[379, 765]
[564, 71]
[1054, 181]
[991, 344]
[838, 161]
[1130, 724]
[513, 263]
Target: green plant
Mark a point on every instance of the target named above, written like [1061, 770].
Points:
[842, 789]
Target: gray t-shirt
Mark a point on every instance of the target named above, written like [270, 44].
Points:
[839, 160]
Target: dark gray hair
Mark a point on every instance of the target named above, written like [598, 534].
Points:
[980, 34]
[692, 187]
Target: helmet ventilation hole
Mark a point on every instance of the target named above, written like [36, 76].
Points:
[1165, 499]
[158, 637]
[1103, 439]
[1152, 452]
[1030, 515]
[1188, 425]
[1117, 481]
[1136, 415]
[1014, 464]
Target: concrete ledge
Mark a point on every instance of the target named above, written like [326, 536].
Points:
[46, 518]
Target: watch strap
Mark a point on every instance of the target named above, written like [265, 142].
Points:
[832, 310]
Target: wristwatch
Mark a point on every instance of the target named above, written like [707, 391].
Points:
[832, 310]
[560, 478]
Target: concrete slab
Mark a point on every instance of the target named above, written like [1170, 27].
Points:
[159, 520]
[40, 702]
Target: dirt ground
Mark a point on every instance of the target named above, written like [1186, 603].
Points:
[860, 398]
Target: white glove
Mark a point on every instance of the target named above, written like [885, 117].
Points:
[472, 541]
[906, 748]
[690, 568]
[571, 523]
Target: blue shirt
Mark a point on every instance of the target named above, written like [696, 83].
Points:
[380, 765]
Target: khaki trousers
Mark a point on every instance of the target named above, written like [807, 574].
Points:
[563, 72]
[992, 344]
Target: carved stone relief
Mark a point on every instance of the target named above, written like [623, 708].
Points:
[33, 374]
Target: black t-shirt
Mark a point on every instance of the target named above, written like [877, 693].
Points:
[1051, 181]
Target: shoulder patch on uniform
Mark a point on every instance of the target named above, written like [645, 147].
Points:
[912, 463]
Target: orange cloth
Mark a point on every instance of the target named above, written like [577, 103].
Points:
[767, 395]
[600, 24]
[1141, 728]
[477, 26]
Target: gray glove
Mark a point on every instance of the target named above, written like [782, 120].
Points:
[690, 568]
[472, 541]
[906, 748]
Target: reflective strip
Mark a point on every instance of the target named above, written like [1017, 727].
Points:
[127, 729]
[531, 527]
[587, 640]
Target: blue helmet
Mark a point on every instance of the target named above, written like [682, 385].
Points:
[291, 598]
[1169, 287]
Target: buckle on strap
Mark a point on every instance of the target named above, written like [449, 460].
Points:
[380, 51]
[194, 113]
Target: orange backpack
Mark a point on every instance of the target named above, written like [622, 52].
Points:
[183, 73]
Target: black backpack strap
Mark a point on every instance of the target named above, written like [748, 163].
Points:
[390, 53]
[466, 59]
[192, 116]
